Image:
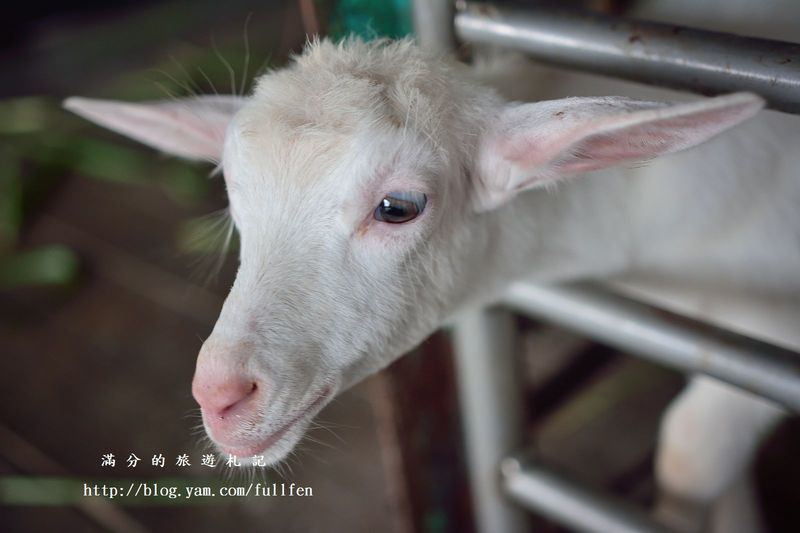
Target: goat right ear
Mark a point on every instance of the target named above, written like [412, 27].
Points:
[193, 128]
[533, 145]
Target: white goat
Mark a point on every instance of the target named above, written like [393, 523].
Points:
[377, 191]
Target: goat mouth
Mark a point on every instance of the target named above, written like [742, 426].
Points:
[261, 445]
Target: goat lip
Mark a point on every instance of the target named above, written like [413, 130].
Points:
[260, 446]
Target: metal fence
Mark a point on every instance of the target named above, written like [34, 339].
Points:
[504, 479]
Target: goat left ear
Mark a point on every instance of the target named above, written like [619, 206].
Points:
[531, 145]
[192, 128]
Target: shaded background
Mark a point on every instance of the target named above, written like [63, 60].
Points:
[107, 288]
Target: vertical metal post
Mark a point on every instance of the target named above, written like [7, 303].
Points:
[485, 346]
[433, 24]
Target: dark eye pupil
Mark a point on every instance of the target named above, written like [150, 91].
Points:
[396, 208]
[400, 207]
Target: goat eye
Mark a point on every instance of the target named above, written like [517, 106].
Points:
[399, 207]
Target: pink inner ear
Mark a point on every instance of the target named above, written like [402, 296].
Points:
[543, 142]
[580, 149]
[601, 151]
[640, 142]
[193, 127]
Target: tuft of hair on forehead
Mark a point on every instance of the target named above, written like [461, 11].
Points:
[341, 86]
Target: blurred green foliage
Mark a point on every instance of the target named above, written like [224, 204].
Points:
[46, 265]
[38, 150]
[41, 145]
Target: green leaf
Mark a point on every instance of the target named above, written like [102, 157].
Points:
[24, 115]
[10, 200]
[112, 162]
[48, 265]
[185, 184]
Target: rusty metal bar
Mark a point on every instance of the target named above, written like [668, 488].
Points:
[658, 54]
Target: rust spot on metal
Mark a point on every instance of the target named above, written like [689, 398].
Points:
[484, 9]
[635, 38]
[784, 61]
[560, 114]
[705, 355]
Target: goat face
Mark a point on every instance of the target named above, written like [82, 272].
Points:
[363, 181]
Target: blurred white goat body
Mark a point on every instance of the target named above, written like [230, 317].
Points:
[711, 432]
[483, 193]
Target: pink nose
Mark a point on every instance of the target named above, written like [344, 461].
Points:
[219, 395]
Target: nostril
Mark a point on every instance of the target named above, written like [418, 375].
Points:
[219, 397]
[249, 391]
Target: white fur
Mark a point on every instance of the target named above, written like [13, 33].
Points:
[325, 295]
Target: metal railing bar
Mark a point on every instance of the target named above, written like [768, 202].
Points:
[658, 54]
[570, 503]
[433, 24]
[673, 340]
